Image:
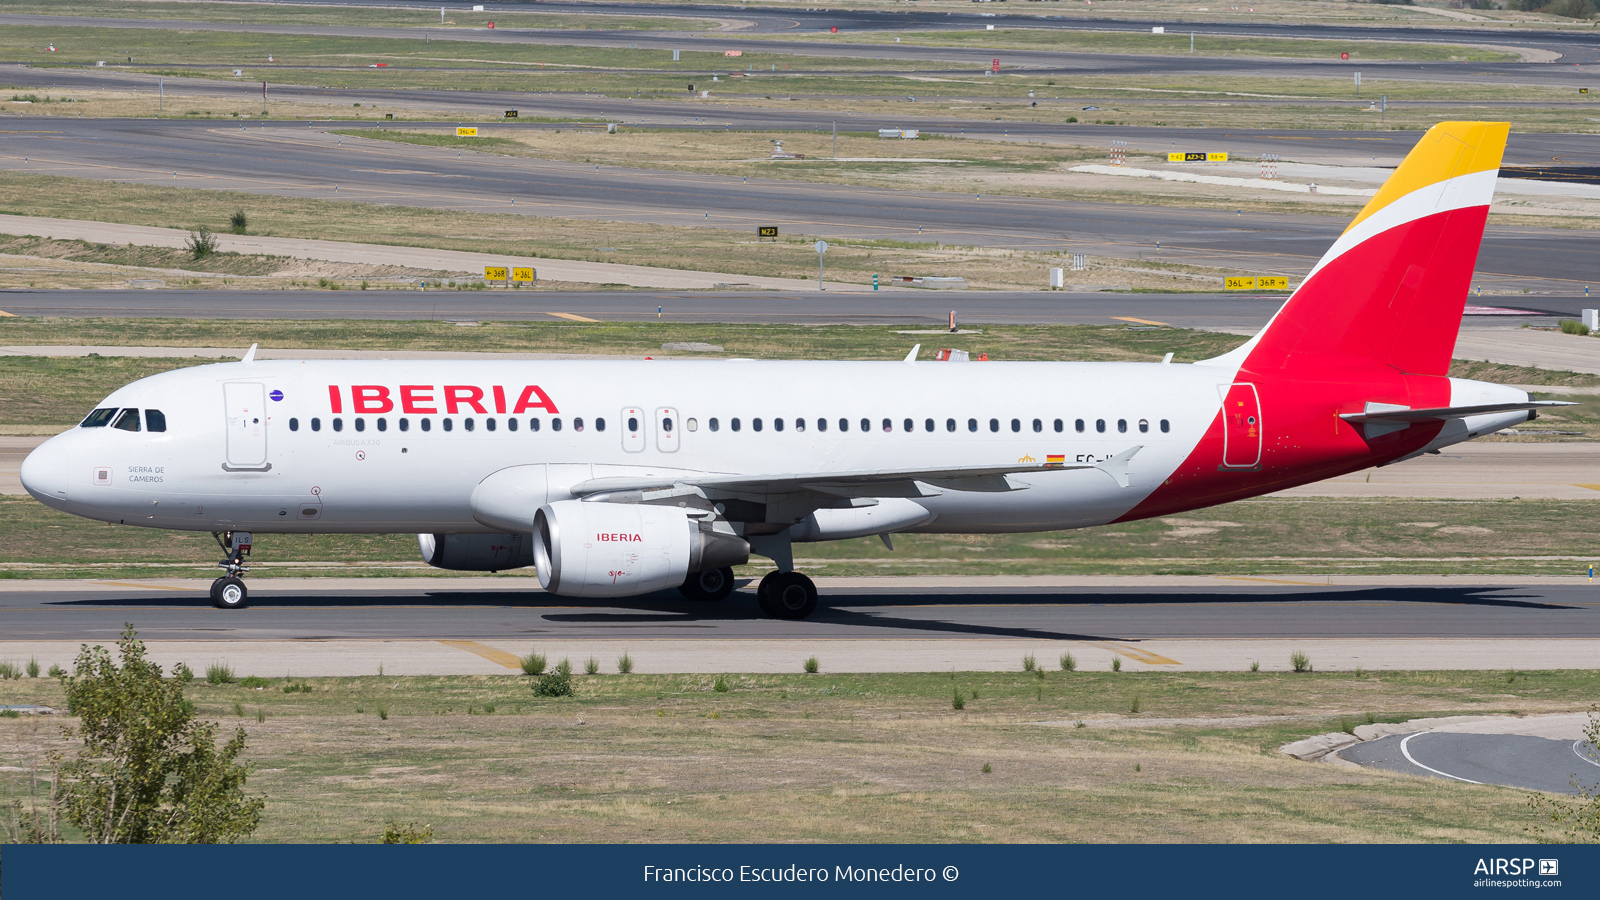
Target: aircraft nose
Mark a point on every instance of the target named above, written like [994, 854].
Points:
[44, 473]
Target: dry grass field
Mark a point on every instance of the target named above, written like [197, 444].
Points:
[865, 758]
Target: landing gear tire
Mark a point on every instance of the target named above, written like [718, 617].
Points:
[787, 595]
[229, 593]
[710, 585]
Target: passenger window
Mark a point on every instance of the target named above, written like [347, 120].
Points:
[755, 424]
[888, 426]
[294, 424]
[1059, 426]
[1144, 426]
[316, 424]
[405, 424]
[449, 425]
[427, 424]
[338, 424]
[1165, 426]
[1038, 426]
[155, 420]
[909, 425]
[927, 425]
[994, 424]
[577, 423]
[1100, 425]
[361, 424]
[972, 424]
[533, 423]
[733, 424]
[99, 418]
[777, 424]
[844, 424]
[555, 424]
[949, 424]
[383, 424]
[128, 421]
[713, 424]
[822, 424]
[633, 423]
[1122, 425]
[1016, 424]
[799, 424]
[693, 424]
[1077, 425]
[600, 425]
[511, 424]
[488, 424]
[866, 425]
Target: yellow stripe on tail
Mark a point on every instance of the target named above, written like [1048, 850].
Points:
[1447, 150]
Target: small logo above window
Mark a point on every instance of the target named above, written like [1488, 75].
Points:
[276, 395]
[102, 475]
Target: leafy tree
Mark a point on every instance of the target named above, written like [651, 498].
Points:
[149, 772]
[1575, 820]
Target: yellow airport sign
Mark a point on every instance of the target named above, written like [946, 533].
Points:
[1195, 156]
[494, 273]
[1216, 157]
[1240, 283]
[523, 273]
[1272, 283]
[467, 131]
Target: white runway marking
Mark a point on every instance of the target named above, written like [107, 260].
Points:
[1413, 760]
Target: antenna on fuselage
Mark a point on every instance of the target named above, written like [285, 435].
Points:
[912, 356]
[250, 355]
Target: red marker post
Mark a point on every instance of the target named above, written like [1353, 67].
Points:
[995, 66]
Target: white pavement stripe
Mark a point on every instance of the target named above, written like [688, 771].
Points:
[1405, 748]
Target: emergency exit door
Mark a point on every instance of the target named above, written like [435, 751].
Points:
[1241, 427]
[246, 405]
[667, 427]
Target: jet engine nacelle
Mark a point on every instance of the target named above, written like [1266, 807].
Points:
[599, 549]
[476, 552]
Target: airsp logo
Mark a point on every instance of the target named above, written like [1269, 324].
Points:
[1549, 867]
[1514, 867]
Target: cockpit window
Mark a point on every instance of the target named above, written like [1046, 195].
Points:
[155, 420]
[100, 418]
[128, 421]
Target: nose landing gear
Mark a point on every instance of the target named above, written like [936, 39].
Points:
[229, 592]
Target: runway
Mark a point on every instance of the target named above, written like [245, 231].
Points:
[296, 161]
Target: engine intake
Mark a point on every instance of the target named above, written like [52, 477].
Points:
[476, 552]
[599, 549]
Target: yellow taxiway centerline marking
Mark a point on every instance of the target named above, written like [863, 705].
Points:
[1271, 580]
[6, 315]
[1137, 655]
[148, 587]
[1140, 321]
[1592, 487]
[571, 317]
[498, 657]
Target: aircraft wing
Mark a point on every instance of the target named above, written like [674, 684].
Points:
[1397, 414]
[860, 482]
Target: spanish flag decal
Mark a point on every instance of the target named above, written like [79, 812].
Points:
[1055, 459]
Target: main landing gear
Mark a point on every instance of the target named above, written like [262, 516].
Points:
[712, 584]
[787, 595]
[229, 592]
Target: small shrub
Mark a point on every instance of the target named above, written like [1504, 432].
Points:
[987, 768]
[1300, 661]
[58, 672]
[383, 711]
[238, 709]
[1138, 767]
[219, 673]
[624, 664]
[1071, 119]
[1133, 705]
[1080, 724]
[1069, 663]
[1255, 665]
[554, 684]
[261, 715]
[181, 672]
[720, 685]
[812, 666]
[1116, 664]
[1029, 663]
[1360, 672]
[297, 688]
[591, 666]
[10, 714]
[33, 667]
[957, 701]
[1511, 677]
[1572, 326]
[9, 671]
[1347, 726]
[533, 664]
[254, 681]
[409, 833]
[238, 222]
[202, 243]
[488, 709]
[564, 667]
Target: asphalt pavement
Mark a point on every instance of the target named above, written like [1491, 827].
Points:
[1514, 760]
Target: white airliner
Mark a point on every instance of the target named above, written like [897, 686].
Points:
[619, 478]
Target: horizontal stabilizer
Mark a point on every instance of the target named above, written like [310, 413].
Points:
[1439, 414]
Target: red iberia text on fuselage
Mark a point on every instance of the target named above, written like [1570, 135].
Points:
[426, 399]
[629, 538]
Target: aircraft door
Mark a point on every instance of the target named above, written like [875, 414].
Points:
[633, 429]
[1241, 427]
[246, 405]
[667, 426]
